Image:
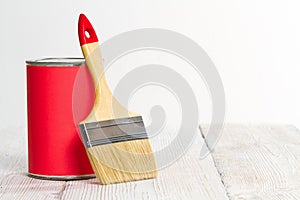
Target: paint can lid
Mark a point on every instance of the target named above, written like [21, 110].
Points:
[56, 62]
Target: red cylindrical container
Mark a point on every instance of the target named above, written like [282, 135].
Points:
[60, 93]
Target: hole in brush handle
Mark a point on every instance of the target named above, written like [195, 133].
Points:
[86, 31]
[87, 34]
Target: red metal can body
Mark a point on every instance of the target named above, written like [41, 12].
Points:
[60, 93]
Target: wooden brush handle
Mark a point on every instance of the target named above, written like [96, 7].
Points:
[106, 107]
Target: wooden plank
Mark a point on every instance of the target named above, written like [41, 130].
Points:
[20, 186]
[14, 183]
[259, 162]
[13, 150]
[176, 182]
[189, 177]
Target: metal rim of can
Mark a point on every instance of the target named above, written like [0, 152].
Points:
[61, 178]
[57, 61]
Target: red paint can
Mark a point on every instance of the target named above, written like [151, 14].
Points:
[60, 93]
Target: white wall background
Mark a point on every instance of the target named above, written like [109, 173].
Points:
[255, 46]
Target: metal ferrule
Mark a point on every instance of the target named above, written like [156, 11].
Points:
[110, 131]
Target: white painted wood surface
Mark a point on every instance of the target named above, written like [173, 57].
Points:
[259, 162]
[188, 178]
[252, 162]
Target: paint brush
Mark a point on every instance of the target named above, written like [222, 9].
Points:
[115, 138]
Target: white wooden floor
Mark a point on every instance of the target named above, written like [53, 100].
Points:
[249, 162]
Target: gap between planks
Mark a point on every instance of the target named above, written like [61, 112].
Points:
[210, 150]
